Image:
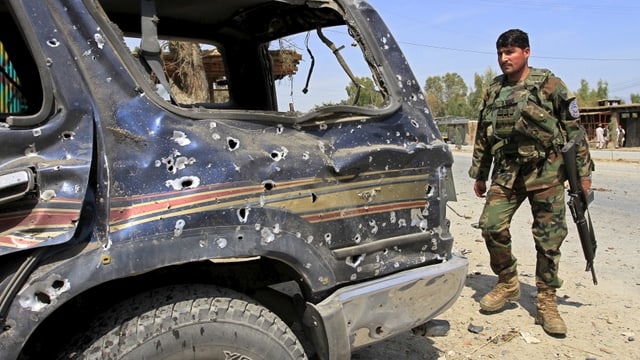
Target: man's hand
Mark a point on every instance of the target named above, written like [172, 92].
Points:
[585, 182]
[480, 188]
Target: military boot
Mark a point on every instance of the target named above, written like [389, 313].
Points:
[507, 289]
[548, 315]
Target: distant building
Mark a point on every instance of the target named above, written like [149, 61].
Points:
[455, 129]
[610, 112]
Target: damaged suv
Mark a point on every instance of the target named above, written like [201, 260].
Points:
[248, 179]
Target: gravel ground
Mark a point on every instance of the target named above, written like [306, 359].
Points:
[603, 320]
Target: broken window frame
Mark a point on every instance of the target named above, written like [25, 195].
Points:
[326, 112]
[30, 69]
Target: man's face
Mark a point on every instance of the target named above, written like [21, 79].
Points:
[512, 60]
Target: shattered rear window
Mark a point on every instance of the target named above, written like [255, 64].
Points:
[331, 71]
[262, 59]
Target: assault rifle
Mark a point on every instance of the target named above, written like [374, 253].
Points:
[579, 203]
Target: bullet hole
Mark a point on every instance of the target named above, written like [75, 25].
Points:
[42, 298]
[180, 138]
[183, 161]
[357, 239]
[177, 231]
[68, 135]
[30, 150]
[267, 235]
[186, 182]
[327, 238]
[423, 225]
[279, 129]
[415, 124]
[233, 143]
[269, 185]
[354, 261]
[429, 190]
[278, 155]
[221, 242]
[305, 155]
[47, 195]
[243, 215]
[314, 197]
[99, 40]
[53, 42]
[57, 284]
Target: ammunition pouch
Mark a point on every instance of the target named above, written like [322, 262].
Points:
[518, 150]
[537, 124]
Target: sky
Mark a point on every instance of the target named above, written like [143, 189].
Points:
[575, 39]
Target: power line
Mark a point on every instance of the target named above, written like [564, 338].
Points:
[533, 56]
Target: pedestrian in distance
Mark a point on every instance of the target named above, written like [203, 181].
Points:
[599, 137]
[527, 116]
[620, 136]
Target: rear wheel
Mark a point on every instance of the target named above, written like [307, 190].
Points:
[188, 322]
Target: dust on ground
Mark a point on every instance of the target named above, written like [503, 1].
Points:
[603, 320]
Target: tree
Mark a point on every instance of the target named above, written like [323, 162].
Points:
[368, 94]
[635, 98]
[590, 97]
[447, 95]
[434, 93]
[481, 84]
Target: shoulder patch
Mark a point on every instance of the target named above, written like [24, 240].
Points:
[573, 109]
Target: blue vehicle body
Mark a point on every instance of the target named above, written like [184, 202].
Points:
[109, 190]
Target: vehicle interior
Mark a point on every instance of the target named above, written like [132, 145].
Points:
[20, 83]
[258, 54]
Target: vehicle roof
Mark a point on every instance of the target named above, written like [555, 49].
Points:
[260, 20]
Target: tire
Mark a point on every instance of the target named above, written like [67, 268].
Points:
[188, 322]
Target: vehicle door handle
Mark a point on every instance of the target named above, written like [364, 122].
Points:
[15, 184]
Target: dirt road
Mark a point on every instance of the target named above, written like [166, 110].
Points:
[603, 320]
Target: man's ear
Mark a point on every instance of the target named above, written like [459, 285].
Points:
[526, 52]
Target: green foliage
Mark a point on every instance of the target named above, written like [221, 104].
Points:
[635, 98]
[447, 95]
[590, 97]
[481, 84]
[368, 93]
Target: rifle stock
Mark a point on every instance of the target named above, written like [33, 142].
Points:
[579, 204]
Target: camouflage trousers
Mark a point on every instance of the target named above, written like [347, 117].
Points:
[549, 229]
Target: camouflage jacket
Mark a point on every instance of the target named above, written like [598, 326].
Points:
[546, 117]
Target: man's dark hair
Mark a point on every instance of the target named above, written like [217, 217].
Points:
[513, 37]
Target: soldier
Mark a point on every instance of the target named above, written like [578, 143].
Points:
[527, 115]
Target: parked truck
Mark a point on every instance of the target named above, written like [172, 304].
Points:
[268, 220]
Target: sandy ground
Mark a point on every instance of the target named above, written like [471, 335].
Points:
[603, 320]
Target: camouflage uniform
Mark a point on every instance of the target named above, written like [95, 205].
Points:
[521, 130]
